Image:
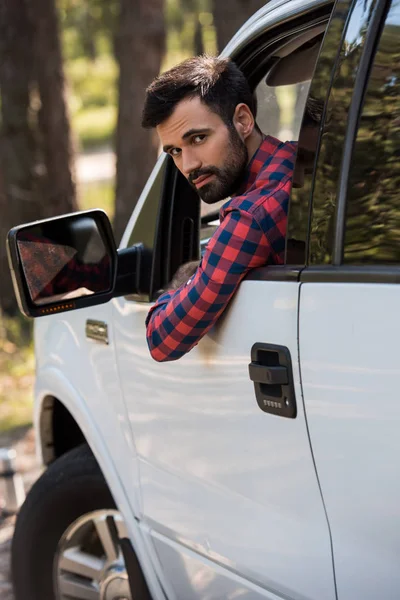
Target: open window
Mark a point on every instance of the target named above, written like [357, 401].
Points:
[279, 67]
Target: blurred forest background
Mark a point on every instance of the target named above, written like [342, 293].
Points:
[72, 79]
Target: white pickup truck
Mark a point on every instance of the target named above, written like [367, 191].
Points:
[264, 463]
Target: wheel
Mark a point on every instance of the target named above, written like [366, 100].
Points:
[66, 543]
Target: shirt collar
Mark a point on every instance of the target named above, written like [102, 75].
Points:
[265, 151]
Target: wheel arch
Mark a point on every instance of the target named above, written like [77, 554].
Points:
[60, 409]
[58, 430]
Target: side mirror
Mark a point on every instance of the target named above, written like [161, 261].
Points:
[69, 262]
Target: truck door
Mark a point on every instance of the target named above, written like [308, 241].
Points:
[349, 328]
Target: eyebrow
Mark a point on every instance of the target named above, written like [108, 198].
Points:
[188, 134]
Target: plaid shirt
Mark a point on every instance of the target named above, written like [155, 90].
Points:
[251, 234]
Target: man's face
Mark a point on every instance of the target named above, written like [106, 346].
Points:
[211, 155]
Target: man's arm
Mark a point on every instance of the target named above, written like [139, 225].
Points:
[181, 318]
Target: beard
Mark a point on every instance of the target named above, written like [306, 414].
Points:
[227, 179]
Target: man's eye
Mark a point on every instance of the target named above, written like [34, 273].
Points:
[199, 138]
[175, 152]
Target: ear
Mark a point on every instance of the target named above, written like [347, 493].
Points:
[243, 120]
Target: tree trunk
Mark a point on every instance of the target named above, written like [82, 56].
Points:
[87, 33]
[17, 155]
[30, 52]
[198, 37]
[139, 46]
[8, 303]
[60, 192]
[228, 20]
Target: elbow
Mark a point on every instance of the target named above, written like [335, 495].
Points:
[163, 346]
[158, 349]
[162, 359]
[160, 356]
[155, 351]
[157, 355]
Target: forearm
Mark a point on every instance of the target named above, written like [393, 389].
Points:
[179, 319]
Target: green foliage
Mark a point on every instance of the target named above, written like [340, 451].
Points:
[92, 99]
[95, 126]
[88, 27]
[17, 366]
[182, 18]
[87, 32]
[17, 331]
[99, 194]
[92, 83]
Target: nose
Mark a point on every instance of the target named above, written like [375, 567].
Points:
[190, 161]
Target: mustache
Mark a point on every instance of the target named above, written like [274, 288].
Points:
[200, 172]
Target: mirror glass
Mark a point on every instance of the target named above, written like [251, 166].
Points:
[63, 259]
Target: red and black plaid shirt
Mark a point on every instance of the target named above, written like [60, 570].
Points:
[251, 234]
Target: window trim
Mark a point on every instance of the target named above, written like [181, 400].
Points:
[268, 39]
[275, 273]
[351, 274]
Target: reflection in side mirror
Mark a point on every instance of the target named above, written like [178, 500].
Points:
[64, 260]
[63, 263]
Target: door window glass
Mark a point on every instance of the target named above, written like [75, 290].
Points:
[324, 127]
[373, 205]
[280, 109]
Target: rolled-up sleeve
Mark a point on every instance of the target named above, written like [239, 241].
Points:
[179, 319]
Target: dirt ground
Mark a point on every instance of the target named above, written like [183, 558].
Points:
[22, 439]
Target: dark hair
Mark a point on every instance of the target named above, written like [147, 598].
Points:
[218, 82]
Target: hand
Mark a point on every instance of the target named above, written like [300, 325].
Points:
[182, 275]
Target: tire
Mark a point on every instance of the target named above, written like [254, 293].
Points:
[72, 487]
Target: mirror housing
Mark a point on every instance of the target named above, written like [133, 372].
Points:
[70, 262]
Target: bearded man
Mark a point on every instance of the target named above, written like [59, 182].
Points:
[204, 113]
